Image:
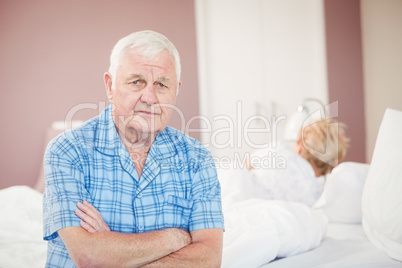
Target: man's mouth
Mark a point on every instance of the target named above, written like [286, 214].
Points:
[145, 113]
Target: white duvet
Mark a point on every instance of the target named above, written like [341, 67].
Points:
[260, 230]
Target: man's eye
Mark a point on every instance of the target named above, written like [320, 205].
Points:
[139, 83]
[161, 85]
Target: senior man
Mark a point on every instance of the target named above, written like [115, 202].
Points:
[155, 188]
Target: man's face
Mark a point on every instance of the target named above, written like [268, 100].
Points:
[143, 93]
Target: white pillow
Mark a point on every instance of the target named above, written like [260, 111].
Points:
[342, 194]
[382, 195]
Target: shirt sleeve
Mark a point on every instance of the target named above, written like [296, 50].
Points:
[65, 187]
[207, 207]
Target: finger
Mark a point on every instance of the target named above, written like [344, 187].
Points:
[87, 208]
[104, 227]
[94, 213]
[91, 210]
[92, 217]
[91, 207]
[87, 227]
[86, 218]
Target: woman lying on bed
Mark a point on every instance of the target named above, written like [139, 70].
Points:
[297, 174]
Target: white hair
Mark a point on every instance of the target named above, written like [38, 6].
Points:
[148, 44]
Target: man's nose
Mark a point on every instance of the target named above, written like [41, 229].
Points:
[149, 95]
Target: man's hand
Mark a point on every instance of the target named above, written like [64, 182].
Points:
[93, 222]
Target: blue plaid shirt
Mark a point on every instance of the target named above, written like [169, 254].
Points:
[178, 186]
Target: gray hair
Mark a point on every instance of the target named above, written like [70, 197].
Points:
[150, 45]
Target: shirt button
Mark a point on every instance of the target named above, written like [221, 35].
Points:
[140, 227]
[139, 195]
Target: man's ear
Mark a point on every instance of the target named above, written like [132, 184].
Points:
[107, 78]
[178, 88]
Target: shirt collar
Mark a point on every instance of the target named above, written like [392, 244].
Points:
[107, 139]
[164, 145]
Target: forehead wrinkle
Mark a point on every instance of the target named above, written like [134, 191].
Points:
[160, 76]
[163, 78]
[149, 70]
[155, 66]
[135, 75]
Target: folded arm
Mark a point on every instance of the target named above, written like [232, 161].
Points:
[167, 248]
[105, 248]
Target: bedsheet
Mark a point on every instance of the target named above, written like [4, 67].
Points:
[345, 245]
[21, 242]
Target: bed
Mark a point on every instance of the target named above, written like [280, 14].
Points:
[357, 221]
[345, 245]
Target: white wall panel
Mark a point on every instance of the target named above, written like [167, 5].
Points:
[256, 57]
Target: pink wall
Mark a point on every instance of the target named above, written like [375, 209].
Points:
[53, 56]
[345, 70]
